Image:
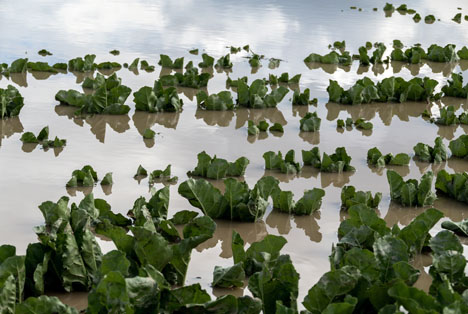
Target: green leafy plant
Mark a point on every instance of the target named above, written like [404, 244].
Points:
[376, 158]
[263, 126]
[455, 88]
[234, 83]
[220, 101]
[375, 258]
[273, 278]
[254, 60]
[44, 52]
[411, 192]
[275, 161]
[162, 175]
[310, 122]
[459, 146]
[303, 99]
[157, 99]
[79, 64]
[18, 66]
[85, 176]
[453, 185]
[207, 62]
[41, 67]
[309, 203]
[276, 127]
[337, 162]
[166, 62]
[239, 202]
[457, 18]
[148, 134]
[218, 168]
[429, 19]
[359, 123]
[351, 197]
[394, 89]
[42, 138]
[331, 58]
[109, 97]
[256, 95]
[190, 78]
[11, 102]
[436, 154]
[224, 62]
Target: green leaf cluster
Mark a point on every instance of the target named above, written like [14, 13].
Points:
[459, 146]
[218, 168]
[157, 99]
[351, 197]
[109, 97]
[376, 158]
[166, 62]
[161, 175]
[11, 102]
[303, 99]
[87, 176]
[256, 95]
[219, 102]
[436, 154]
[272, 276]
[411, 192]
[310, 122]
[42, 138]
[395, 89]
[453, 185]
[455, 88]
[207, 62]
[371, 267]
[332, 57]
[309, 203]
[79, 64]
[224, 62]
[238, 202]
[337, 162]
[275, 161]
[263, 126]
[190, 79]
[359, 123]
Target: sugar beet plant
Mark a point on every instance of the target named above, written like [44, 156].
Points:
[411, 192]
[108, 97]
[11, 102]
[157, 99]
[337, 162]
[238, 202]
[392, 89]
[427, 153]
[218, 168]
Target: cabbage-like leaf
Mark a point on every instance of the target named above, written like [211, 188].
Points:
[411, 192]
[82, 65]
[351, 197]
[435, 154]
[413, 299]
[276, 162]
[220, 101]
[310, 122]
[11, 102]
[228, 277]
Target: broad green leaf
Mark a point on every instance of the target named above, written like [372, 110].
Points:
[228, 277]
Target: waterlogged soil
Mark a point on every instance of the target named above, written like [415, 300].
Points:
[288, 31]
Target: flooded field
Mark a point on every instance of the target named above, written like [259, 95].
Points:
[288, 31]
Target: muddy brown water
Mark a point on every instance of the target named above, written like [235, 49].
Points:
[288, 31]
